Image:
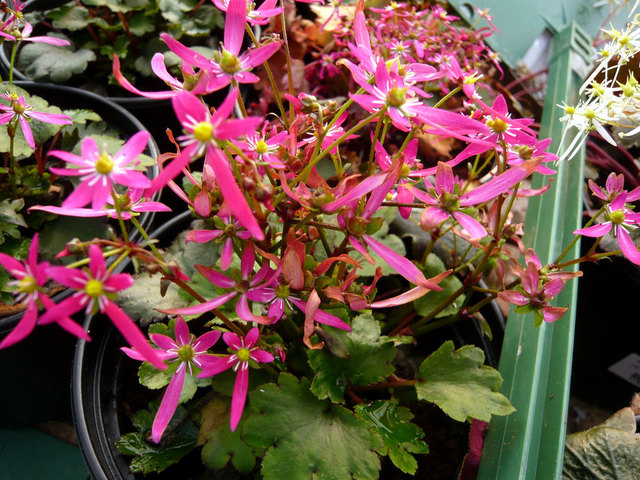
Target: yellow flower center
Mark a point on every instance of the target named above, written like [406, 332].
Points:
[186, 353]
[570, 110]
[93, 288]
[203, 132]
[104, 164]
[617, 217]
[590, 114]
[27, 285]
[405, 171]
[243, 354]
[396, 97]
[262, 147]
[497, 125]
[229, 62]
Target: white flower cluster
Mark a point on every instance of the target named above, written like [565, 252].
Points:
[611, 93]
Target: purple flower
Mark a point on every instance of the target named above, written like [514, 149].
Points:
[19, 111]
[244, 351]
[187, 350]
[31, 277]
[100, 171]
[96, 290]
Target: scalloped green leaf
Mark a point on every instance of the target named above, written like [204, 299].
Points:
[609, 451]
[222, 445]
[459, 383]
[425, 304]
[40, 60]
[368, 359]
[150, 457]
[69, 17]
[309, 438]
[401, 437]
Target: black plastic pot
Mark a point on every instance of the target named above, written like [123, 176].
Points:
[39, 367]
[97, 368]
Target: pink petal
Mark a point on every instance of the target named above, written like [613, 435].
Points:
[321, 316]
[471, 225]
[215, 277]
[227, 254]
[129, 87]
[251, 337]
[206, 341]
[24, 327]
[232, 340]
[629, 250]
[595, 230]
[247, 261]
[133, 335]
[400, 264]
[261, 54]
[432, 217]
[173, 169]
[202, 307]
[28, 134]
[364, 187]
[212, 365]
[165, 342]
[182, 332]
[515, 297]
[234, 25]
[498, 185]
[261, 356]
[202, 236]
[232, 193]
[239, 392]
[551, 314]
[245, 313]
[169, 403]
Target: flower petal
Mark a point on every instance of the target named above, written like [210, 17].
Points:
[169, 403]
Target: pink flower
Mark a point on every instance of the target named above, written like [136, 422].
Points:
[96, 289]
[241, 288]
[228, 64]
[24, 36]
[193, 83]
[537, 288]
[19, 111]
[244, 351]
[189, 352]
[100, 171]
[203, 132]
[131, 204]
[255, 16]
[31, 277]
[620, 220]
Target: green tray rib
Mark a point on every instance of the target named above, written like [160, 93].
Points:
[536, 361]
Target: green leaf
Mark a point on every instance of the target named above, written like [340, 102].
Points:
[309, 438]
[9, 212]
[425, 305]
[401, 438]
[82, 116]
[458, 382]
[223, 445]
[155, 458]
[151, 377]
[608, 451]
[69, 17]
[369, 359]
[141, 24]
[40, 60]
[122, 6]
[143, 299]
